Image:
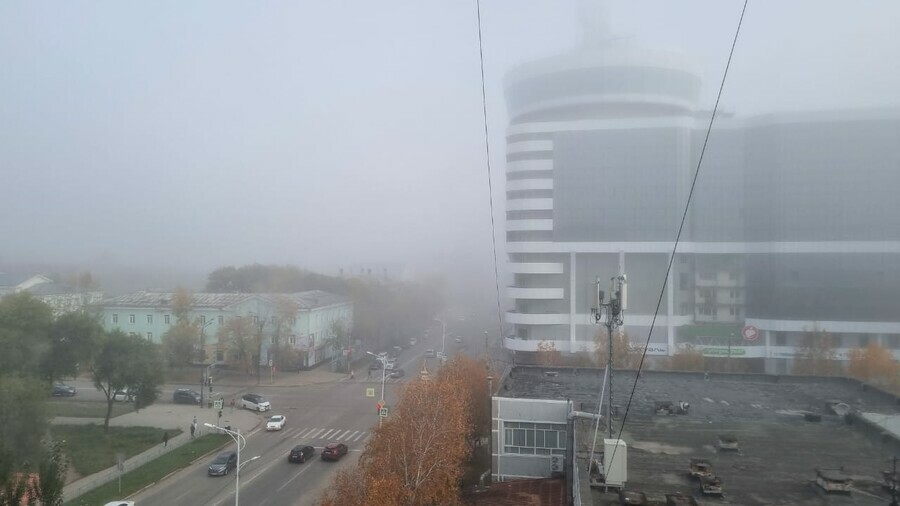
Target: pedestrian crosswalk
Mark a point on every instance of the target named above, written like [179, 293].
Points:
[327, 433]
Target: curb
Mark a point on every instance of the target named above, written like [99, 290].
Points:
[198, 459]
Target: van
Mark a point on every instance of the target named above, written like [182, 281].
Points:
[255, 402]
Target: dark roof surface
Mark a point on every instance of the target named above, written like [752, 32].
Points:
[541, 492]
[304, 300]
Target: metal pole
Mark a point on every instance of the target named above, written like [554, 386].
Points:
[609, 363]
[443, 335]
[237, 474]
[383, 373]
[894, 483]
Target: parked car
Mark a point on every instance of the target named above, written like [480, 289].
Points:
[457, 339]
[120, 503]
[334, 451]
[300, 453]
[413, 341]
[255, 402]
[63, 390]
[186, 396]
[429, 353]
[224, 462]
[276, 422]
[397, 373]
[389, 364]
[124, 395]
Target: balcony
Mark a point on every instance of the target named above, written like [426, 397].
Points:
[528, 146]
[537, 318]
[528, 225]
[535, 268]
[535, 293]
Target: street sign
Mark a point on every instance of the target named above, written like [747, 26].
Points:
[120, 461]
[370, 392]
[219, 403]
[384, 412]
[749, 333]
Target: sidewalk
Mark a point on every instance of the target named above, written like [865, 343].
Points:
[315, 376]
[164, 416]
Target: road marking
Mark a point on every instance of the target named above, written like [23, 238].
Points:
[325, 436]
[342, 435]
[295, 476]
[301, 432]
[351, 435]
[359, 436]
[314, 436]
[178, 499]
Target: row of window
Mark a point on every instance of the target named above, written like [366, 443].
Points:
[168, 320]
[526, 438]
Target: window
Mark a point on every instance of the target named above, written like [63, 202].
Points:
[293, 321]
[526, 438]
[166, 317]
[115, 318]
[221, 320]
[255, 319]
[149, 318]
[707, 275]
[292, 339]
[149, 336]
[780, 339]
[132, 334]
[131, 318]
[863, 340]
[683, 281]
[731, 311]
[203, 319]
[274, 340]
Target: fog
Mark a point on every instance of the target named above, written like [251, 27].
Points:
[184, 136]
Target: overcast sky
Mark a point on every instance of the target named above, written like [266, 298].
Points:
[324, 134]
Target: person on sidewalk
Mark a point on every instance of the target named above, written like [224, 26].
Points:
[193, 429]
[166, 438]
[351, 373]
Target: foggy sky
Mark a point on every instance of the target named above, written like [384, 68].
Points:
[324, 134]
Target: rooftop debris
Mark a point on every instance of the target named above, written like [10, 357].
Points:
[728, 442]
[700, 468]
[833, 481]
[711, 485]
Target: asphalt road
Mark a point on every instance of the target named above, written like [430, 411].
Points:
[316, 414]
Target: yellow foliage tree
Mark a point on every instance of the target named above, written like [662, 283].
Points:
[625, 356]
[417, 456]
[687, 359]
[816, 355]
[875, 364]
[547, 354]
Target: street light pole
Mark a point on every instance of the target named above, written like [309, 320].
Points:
[238, 439]
[383, 359]
[443, 332]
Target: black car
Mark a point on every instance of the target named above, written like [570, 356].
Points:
[397, 373]
[63, 390]
[224, 462]
[334, 451]
[186, 396]
[300, 453]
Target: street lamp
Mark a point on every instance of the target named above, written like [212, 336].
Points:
[443, 332]
[383, 359]
[201, 355]
[240, 442]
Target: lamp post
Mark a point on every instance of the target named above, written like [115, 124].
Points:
[240, 442]
[383, 359]
[201, 355]
[443, 332]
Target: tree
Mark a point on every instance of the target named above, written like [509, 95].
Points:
[547, 354]
[237, 336]
[338, 338]
[52, 474]
[180, 342]
[417, 456]
[127, 362]
[23, 421]
[687, 359]
[182, 301]
[72, 339]
[25, 324]
[625, 355]
[875, 364]
[816, 355]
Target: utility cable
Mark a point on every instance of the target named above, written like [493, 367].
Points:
[487, 150]
[681, 226]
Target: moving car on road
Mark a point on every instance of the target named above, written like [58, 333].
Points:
[124, 395]
[186, 396]
[334, 451]
[276, 422]
[255, 402]
[429, 353]
[63, 390]
[397, 373]
[300, 453]
[224, 462]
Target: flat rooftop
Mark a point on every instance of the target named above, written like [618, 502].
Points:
[779, 448]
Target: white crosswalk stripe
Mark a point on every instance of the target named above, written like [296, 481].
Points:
[327, 434]
[346, 435]
[342, 435]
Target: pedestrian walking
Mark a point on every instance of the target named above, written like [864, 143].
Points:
[195, 420]
[351, 373]
[232, 405]
[166, 438]
[369, 374]
[193, 429]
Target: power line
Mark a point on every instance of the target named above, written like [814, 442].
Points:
[687, 206]
[487, 150]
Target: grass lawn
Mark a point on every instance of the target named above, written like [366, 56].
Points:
[152, 471]
[90, 450]
[85, 409]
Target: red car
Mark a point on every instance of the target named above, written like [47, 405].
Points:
[334, 451]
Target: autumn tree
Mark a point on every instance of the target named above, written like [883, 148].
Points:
[816, 355]
[547, 354]
[179, 342]
[417, 457]
[875, 364]
[625, 356]
[237, 335]
[687, 359]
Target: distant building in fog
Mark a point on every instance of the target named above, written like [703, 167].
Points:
[794, 224]
[61, 297]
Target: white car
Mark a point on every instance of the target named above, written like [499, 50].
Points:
[123, 396]
[276, 422]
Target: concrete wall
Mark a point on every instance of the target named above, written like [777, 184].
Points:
[506, 466]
